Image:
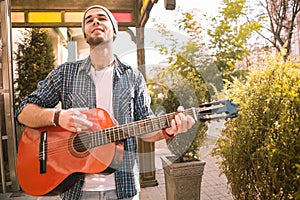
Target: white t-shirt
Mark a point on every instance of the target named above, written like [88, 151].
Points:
[103, 77]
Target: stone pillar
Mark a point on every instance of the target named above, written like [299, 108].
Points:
[146, 149]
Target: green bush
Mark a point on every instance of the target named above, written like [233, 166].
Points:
[260, 150]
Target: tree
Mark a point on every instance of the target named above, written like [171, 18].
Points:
[182, 83]
[281, 17]
[34, 59]
[229, 35]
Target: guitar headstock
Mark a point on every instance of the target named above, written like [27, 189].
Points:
[222, 109]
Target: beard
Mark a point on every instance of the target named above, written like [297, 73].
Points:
[94, 41]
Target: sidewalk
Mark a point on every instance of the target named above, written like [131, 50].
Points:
[213, 187]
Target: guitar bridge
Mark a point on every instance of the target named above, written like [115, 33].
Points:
[43, 152]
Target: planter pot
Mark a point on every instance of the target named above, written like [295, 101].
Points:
[183, 180]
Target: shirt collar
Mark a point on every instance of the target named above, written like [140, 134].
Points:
[120, 68]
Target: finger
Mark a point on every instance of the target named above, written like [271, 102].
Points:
[82, 124]
[81, 120]
[190, 121]
[178, 121]
[182, 117]
[76, 112]
[173, 128]
[183, 123]
[180, 109]
[73, 129]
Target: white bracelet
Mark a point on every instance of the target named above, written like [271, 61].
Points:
[55, 118]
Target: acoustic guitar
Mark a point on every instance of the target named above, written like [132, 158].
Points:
[51, 159]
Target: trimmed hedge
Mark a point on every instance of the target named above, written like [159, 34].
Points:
[260, 149]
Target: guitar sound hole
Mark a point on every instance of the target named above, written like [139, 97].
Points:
[78, 145]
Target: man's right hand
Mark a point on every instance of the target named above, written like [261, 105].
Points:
[75, 120]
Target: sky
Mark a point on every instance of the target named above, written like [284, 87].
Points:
[209, 7]
[127, 50]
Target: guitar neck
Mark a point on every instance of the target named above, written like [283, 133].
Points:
[138, 128]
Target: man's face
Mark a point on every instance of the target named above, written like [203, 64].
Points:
[98, 27]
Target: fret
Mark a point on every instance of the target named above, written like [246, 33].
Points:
[129, 126]
[155, 126]
[159, 123]
[105, 136]
[152, 125]
[90, 139]
[123, 130]
[95, 139]
[139, 129]
[92, 135]
[116, 135]
[109, 135]
[119, 136]
[102, 137]
[119, 132]
[127, 129]
[133, 129]
[167, 121]
[145, 127]
[126, 134]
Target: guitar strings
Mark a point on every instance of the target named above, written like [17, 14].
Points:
[58, 146]
[108, 133]
[113, 132]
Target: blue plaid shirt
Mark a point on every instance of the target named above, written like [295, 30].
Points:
[72, 85]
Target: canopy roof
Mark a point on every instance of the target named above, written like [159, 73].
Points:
[59, 13]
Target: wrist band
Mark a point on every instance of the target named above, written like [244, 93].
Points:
[166, 135]
[55, 119]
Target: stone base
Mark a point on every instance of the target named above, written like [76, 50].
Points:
[182, 180]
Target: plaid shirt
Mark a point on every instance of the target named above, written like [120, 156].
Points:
[72, 85]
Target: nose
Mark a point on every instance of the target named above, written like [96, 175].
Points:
[96, 21]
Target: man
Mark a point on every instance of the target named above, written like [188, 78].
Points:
[99, 81]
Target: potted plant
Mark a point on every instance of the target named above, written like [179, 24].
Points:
[183, 169]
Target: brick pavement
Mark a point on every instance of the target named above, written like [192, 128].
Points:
[213, 187]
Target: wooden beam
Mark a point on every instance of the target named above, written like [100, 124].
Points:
[122, 26]
[113, 5]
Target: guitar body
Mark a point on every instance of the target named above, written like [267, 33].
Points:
[66, 158]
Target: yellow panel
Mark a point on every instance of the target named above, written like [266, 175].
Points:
[144, 5]
[44, 17]
[73, 16]
[17, 17]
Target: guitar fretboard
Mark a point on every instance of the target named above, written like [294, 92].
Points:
[122, 132]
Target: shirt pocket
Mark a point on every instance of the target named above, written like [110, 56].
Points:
[77, 100]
